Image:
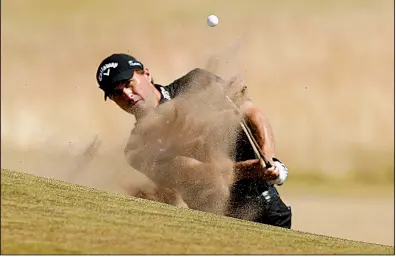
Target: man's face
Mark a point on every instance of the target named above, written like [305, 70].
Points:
[136, 95]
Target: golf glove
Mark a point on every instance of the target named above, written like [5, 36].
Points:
[283, 172]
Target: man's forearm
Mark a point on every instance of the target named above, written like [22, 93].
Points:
[247, 170]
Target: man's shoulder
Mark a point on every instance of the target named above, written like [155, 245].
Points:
[197, 77]
[199, 74]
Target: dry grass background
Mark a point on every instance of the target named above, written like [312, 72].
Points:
[322, 70]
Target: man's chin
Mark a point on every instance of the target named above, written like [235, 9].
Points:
[139, 109]
[131, 109]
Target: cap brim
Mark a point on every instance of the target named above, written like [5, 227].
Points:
[124, 75]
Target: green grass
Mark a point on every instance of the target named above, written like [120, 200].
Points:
[46, 216]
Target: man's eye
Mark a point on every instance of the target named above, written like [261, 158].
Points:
[115, 92]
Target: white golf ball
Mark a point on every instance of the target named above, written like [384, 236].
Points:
[212, 20]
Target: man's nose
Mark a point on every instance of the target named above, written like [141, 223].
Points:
[127, 93]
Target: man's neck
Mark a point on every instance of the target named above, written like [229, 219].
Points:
[157, 94]
[140, 115]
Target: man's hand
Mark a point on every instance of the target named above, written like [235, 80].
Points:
[256, 169]
[269, 173]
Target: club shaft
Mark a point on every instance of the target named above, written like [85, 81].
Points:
[253, 142]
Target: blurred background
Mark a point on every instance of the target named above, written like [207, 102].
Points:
[323, 71]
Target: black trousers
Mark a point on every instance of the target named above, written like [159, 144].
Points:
[260, 202]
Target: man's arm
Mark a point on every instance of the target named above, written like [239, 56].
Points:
[262, 132]
[258, 123]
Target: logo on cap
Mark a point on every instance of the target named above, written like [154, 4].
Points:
[104, 68]
[134, 63]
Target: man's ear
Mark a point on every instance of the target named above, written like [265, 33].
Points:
[147, 74]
